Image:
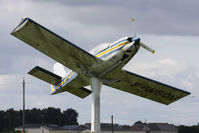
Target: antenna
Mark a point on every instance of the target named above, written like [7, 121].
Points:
[23, 83]
[112, 122]
[133, 25]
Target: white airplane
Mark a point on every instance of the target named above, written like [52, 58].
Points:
[104, 62]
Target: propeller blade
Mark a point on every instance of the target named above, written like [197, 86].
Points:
[147, 47]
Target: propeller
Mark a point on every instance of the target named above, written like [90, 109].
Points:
[138, 40]
[147, 47]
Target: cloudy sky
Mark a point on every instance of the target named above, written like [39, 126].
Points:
[170, 27]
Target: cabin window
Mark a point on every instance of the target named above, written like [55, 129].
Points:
[99, 48]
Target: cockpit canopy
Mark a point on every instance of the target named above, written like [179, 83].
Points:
[99, 48]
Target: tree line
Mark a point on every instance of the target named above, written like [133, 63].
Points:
[188, 129]
[11, 118]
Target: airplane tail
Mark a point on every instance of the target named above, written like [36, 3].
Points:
[59, 69]
[72, 83]
[52, 88]
[46, 76]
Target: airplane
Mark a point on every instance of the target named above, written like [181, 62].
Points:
[105, 62]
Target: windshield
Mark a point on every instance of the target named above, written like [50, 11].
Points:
[99, 48]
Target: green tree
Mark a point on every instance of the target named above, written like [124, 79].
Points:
[52, 116]
[188, 129]
[33, 116]
[11, 118]
[138, 122]
[70, 117]
[2, 120]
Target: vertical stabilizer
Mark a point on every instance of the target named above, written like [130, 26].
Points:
[59, 69]
[52, 90]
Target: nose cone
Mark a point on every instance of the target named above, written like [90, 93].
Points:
[136, 40]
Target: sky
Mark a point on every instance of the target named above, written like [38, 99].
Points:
[169, 27]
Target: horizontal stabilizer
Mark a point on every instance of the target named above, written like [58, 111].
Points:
[45, 75]
[80, 92]
[73, 83]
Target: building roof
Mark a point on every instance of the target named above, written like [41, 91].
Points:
[54, 127]
[155, 127]
[162, 127]
[37, 126]
[138, 126]
[108, 127]
[73, 127]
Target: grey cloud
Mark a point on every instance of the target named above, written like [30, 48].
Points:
[87, 24]
[178, 17]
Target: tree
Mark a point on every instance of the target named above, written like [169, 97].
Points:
[188, 129]
[70, 117]
[52, 116]
[2, 121]
[33, 116]
[10, 115]
[138, 122]
[11, 118]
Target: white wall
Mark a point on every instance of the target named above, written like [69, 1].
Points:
[163, 132]
[33, 130]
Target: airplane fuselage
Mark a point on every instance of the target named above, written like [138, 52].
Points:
[115, 55]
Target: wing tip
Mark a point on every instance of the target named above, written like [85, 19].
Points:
[21, 24]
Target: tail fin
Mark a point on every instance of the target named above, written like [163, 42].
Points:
[52, 89]
[59, 69]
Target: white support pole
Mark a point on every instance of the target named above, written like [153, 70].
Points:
[96, 86]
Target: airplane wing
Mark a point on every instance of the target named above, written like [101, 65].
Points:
[144, 87]
[74, 85]
[53, 45]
